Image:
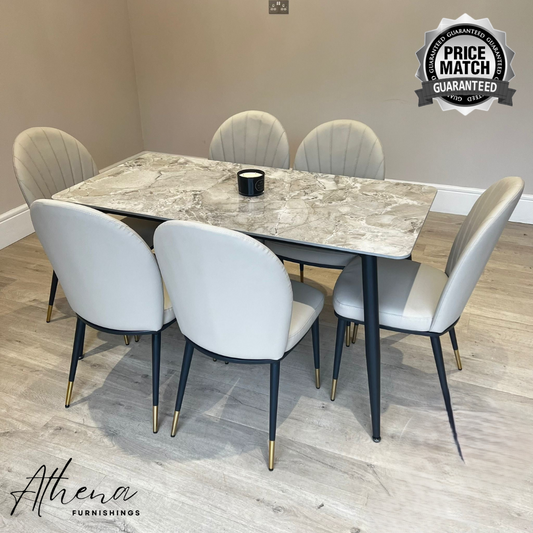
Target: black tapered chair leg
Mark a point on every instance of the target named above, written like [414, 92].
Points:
[274, 393]
[455, 346]
[185, 366]
[156, 365]
[53, 289]
[302, 272]
[341, 328]
[316, 351]
[439, 360]
[77, 353]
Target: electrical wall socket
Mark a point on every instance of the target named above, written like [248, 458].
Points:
[278, 7]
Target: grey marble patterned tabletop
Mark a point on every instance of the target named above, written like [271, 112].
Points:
[381, 218]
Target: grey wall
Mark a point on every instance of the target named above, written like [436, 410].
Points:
[67, 64]
[200, 61]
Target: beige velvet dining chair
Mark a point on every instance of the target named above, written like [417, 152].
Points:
[48, 160]
[110, 278]
[422, 300]
[251, 138]
[342, 148]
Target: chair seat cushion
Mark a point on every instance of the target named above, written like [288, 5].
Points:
[408, 293]
[310, 254]
[144, 227]
[306, 306]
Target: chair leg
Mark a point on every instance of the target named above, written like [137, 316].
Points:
[439, 360]
[354, 332]
[316, 351]
[126, 340]
[341, 327]
[77, 352]
[453, 338]
[137, 338]
[301, 272]
[274, 393]
[156, 365]
[348, 333]
[53, 289]
[185, 366]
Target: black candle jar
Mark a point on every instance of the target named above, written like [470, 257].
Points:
[251, 182]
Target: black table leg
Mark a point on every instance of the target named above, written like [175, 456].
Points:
[372, 343]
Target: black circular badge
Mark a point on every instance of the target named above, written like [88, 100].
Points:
[465, 64]
[464, 59]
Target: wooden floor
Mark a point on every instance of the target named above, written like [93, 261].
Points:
[329, 475]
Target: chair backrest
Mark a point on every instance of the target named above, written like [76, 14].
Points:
[251, 138]
[48, 160]
[342, 148]
[231, 294]
[109, 275]
[473, 246]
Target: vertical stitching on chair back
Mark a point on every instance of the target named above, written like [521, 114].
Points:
[258, 136]
[66, 151]
[346, 150]
[268, 141]
[358, 158]
[56, 158]
[240, 130]
[277, 148]
[360, 152]
[41, 175]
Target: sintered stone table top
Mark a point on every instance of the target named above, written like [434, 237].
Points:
[381, 218]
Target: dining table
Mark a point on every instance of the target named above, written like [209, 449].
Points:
[366, 217]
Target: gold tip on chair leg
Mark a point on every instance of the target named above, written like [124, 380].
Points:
[155, 411]
[69, 393]
[137, 338]
[348, 327]
[49, 313]
[271, 447]
[354, 334]
[301, 276]
[317, 377]
[175, 423]
[333, 390]
[126, 340]
[458, 360]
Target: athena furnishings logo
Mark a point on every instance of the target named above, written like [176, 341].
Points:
[465, 64]
[43, 488]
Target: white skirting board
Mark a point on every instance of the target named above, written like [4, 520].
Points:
[16, 224]
[459, 201]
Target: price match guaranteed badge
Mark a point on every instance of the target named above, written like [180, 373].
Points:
[465, 64]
